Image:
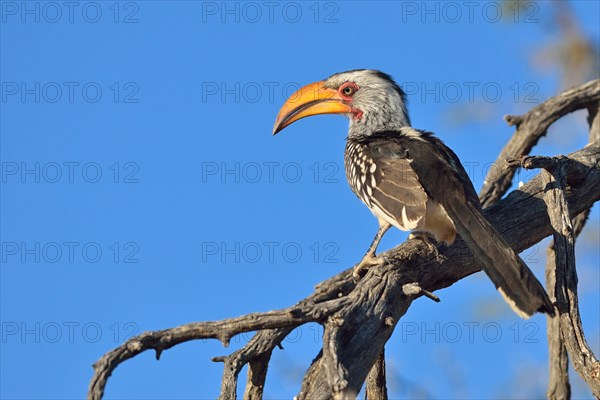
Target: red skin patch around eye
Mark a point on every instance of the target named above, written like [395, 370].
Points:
[341, 90]
[356, 113]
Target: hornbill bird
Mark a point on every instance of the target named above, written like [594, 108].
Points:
[410, 179]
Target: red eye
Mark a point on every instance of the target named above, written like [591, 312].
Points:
[348, 89]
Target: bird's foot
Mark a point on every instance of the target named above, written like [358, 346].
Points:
[361, 269]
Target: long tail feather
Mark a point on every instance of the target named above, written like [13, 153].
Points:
[513, 279]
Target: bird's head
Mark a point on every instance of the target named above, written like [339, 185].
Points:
[370, 99]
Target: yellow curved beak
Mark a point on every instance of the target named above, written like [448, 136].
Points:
[312, 99]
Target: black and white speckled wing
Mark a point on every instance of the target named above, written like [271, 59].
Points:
[380, 174]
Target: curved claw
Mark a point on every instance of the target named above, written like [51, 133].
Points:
[361, 269]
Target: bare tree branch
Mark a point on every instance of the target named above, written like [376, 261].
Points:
[594, 121]
[256, 354]
[530, 128]
[376, 381]
[224, 330]
[584, 361]
[559, 387]
[564, 280]
[257, 373]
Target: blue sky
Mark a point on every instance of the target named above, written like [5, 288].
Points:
[142, 189]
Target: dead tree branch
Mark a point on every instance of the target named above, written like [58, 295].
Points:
[562, 284]
[558, 382]
[573, 338]
[376, 381]
[303, 312]
[559, 387]
[530, 128]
